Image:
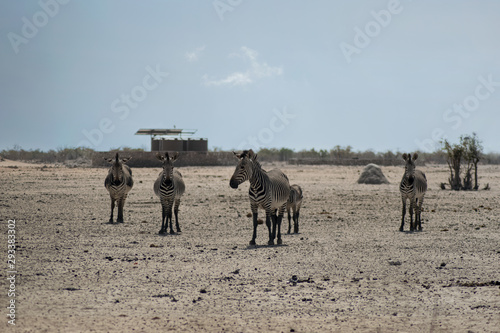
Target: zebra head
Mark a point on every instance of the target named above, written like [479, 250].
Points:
[244, 168]
[168, 167]
[410, 166]
[117, 168]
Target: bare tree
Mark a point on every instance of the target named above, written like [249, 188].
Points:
[454, 155]
[473, 154]
[463, 156]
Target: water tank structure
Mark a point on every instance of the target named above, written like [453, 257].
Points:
[174, 139]
[196, 145]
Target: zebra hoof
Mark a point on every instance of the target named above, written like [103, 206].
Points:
[271, 242]
[161, 232]
[252, 242]
[172, 232]
[280, 242]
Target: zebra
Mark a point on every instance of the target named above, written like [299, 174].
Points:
[294, 202]
[269, 190]
[413, 187]
[118, 182]
[169, 187]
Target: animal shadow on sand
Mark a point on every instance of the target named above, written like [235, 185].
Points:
[265, 246]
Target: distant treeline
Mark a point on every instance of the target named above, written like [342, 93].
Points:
[265, 154]
[347, 153]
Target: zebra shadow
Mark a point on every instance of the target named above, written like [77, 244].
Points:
[264, 246]
[409, 232]
[168, 234]
[111, 223]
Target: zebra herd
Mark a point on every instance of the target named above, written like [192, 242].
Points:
[269, 190]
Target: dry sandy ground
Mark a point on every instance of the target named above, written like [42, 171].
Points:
[355, 270]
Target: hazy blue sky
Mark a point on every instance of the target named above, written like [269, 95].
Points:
[381, 75]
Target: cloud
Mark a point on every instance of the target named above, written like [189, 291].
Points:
[257, 70]
[194, 55]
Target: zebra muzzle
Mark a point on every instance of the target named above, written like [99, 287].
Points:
[233, 183]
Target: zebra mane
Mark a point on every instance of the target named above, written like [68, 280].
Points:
[249, 153]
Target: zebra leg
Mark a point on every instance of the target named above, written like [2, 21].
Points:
[289, 219]
[176, 212]
[420, 214]
[121, 203]
[403, 213]
[295, 221]
[279, 218]
[254, 214]
[112, 208]
[169, 220]
[412, 208]
[271, 226]
[163, 216]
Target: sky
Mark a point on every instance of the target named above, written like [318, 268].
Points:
[380, 75]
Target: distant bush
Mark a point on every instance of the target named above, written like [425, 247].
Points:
[52, 156]
[463, 158]
[337, 153]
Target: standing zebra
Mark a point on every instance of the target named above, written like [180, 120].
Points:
[169, 187]
[413, 187]
[268, 190]
[294, 202]
[118, 183]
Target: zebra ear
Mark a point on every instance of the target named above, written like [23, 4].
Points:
[159, 156]
[405, 157]
[174, 156]
[126, 159]
[251, 154]
[415, 156]
[238, 156]
[109, 160]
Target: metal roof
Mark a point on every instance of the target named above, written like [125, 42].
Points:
[165, 131]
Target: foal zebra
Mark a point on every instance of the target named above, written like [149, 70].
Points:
[269, 190]
[413, 187]
[118, 183]
[294, 202]
[169, 187]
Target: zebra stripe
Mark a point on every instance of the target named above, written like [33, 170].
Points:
[268, 190]
[118, 182]
[294, 203]
[169, 187]
[412, 187]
